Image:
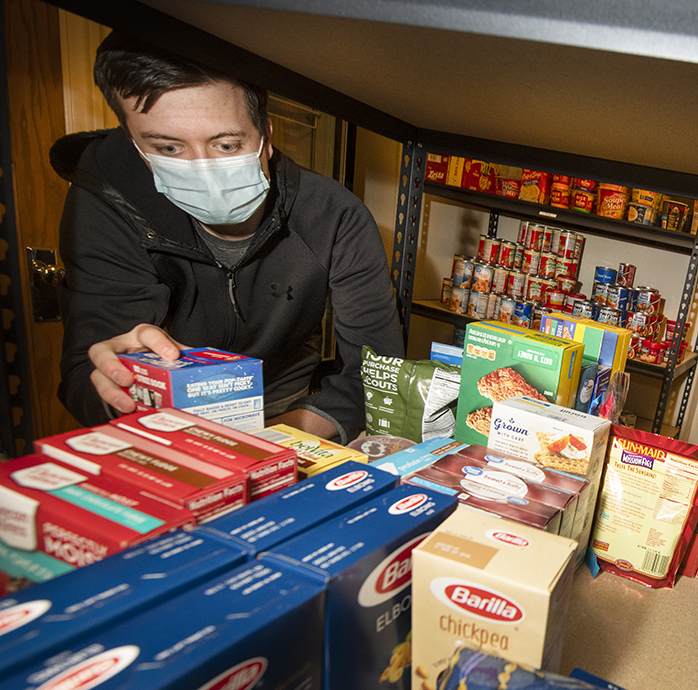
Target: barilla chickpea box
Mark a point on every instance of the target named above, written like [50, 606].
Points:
[269, 466]
[490, 583]
[257, 625]
[364, 557]
[39, 621]
[315, 454]
[166, 474]
[214, 384]
[262, 525]
[500, 361]
[51, 508]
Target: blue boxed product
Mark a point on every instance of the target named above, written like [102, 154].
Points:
[42, 619]
[283, 515]
[365, 557]
[237, 630]
[414, 458]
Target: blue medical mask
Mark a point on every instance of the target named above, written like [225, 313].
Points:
[216, 191]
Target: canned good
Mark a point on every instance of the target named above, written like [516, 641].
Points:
[534, 240]
[579, 183]
[626, 274]
[477, 305]
[617, 296]
[490, 251]
[507, 254]
[641, 214]
[547, 238]
[538, 311]
[563, 180]
[674, 214]
[492, 301]
[482, 277]
[446, 287]
[516, 284]
[647, 299]
[560, 196]
[499, 279]
[604, 274]
[523, 313]
[612, 201]
[506, 309]
[599, 293]
[567, 244]
[579, 247]
[457, 270]
[547, 264]
[535, 289]
[564, 267]
[555, 240]
[582, 200]
[639, 322]
[566, 283]
[518, 259]
[609, 315]
[531, 259]
[523, 232]
[468, 265]
[455, 300]
[555, 299]
[634, 347]
[651, 351]
[584, 308]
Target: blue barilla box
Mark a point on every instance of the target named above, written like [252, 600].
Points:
[365, 558]
[221, 386]
[43, 619]
[283, 515]
[239, 630]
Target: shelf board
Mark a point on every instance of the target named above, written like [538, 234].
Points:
[658, 371]
[645, 235]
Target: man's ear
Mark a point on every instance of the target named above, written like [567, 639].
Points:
[268, 138]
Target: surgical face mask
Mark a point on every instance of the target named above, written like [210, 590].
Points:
[216, 191]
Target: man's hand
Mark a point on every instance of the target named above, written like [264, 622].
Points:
[110, 375]
[307, 421]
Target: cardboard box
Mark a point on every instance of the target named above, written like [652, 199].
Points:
[42, 620]
[201, 487]
[73, 516]
[315, 454]
[364, 557]
[269, 466]
[217, 385]
[492, 584]
[436, 168]
[285, 514]
[448, 354]
[500, 361]
[20, 569]
[414, 458]
[488, 495]
[237, 630]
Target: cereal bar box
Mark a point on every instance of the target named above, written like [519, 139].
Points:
[501, 361]
[492, 584]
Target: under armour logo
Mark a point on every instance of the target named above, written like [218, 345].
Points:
[279, 291]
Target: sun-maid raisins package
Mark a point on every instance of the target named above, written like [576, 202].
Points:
[648, 506]
[413, 399]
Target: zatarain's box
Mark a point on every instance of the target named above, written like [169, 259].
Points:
[364, 556]
[41, 620]
[237, 630]
[214, 384]
[493, 584]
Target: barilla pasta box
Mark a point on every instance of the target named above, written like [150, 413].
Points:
[169, 475]
[263, 524]
[269, 466]
[490, 494]
[237, 630]
[500, 361]
[315, 454]
[221, 386]
[42, 620]
[409, 460]
[73, 516]
[364, 557]
[492, 584]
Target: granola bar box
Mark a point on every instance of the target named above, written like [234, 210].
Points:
[492, 584]
[501, 361]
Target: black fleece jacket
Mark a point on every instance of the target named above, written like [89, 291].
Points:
[131, 256]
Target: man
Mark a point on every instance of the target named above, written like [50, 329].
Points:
[185, 228]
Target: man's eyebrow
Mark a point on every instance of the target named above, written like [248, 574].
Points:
[220, 135]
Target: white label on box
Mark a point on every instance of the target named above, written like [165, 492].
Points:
[346, 480]
[16, 616]
[18, 520]
[407, 504]
[96, 443]
[46, 477]
[163, 421]
[241, 677]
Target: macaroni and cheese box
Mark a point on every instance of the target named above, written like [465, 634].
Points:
[269, 466]
[285, 514]
[237, 630]
[364, 556]
[491, 584]
[214, 384]
[409, 460]
[73, 516]
[315, 454]
[199, 486]
[41, 620]
[500, 361]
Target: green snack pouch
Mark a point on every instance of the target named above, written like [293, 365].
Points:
[413, 399]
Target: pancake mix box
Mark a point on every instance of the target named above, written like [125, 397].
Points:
[42, 620]
[268, 465]
[214, 384]
[73, 516]
[315, 454]
[500, 361]
[409, 460]
[364, 556]
[236, 630]
[493, 584]
[289, 512]
[202, 487]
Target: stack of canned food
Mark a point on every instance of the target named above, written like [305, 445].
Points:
[516, 282]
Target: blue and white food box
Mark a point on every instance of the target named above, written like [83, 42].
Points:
[414, 458]
[263, 524]
[365, 558]
[448, 354]
[210, 383]
[41, 620]
[238, 630]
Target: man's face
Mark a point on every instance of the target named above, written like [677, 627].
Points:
[207, 121]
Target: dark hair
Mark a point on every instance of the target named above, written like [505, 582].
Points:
[126, 67]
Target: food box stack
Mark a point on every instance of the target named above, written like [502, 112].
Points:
[500, 361]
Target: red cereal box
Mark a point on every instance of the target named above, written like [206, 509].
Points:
[436, 168]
